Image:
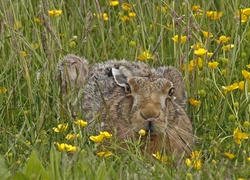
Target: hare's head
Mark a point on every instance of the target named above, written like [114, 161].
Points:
[147, 103]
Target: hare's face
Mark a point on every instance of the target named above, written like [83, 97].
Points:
[148, 103]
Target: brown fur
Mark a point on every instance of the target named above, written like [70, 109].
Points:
[138, 97]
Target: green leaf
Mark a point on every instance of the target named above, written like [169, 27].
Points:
[101, 171]
[35, 169]
[4, 172]
[54, 163]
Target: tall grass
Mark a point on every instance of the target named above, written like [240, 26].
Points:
[32, 43]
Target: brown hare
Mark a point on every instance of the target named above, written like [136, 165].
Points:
[130, 96]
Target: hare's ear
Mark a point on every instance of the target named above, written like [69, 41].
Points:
[120, 78]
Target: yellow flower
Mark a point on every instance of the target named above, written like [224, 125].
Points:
[209, 54]
[227, 47]
[245, 74]
[246, 11]
[23, 53]
[229, 155]
[60, 127]
[17, 25]
[160, 157]
[106, 134]
[131, 14]
[97, 139]
[222, 39]
[34, 46]
[113, 3]
[51, 13]
[81, 123]
[142, 132]
[194, 102]
[126, 6]
[104, 154]
[103, 16]
[197, 46]
[213, 65]
[242, 85]
[248, 159]
[231, 87]
[66, 147]
[194, 160]
[25, 112]
[38, 20]
[72, 44]
[195, 7]
[145, 55]
[125, 18]
[200, 52]
[182, 39]
[238, 136]
[207, 34]
[213, 15]
[195, 62]
[54, 12]
[248, 66]
[58, 12]
[72, 136]
[190, 67]
[163, 9]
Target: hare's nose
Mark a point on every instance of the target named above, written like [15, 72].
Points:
[150, 111]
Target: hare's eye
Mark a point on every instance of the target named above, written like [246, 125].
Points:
[171, 91]
[127, 88]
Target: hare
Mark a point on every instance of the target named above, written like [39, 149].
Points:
[123, 97]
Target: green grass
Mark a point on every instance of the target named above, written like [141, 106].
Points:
[31, 105]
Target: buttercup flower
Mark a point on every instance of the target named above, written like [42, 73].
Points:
[213, 15]
[23, 53]
[72, 136]
[145, 55]
[242, 85]
[81, 123]
[114, 3]
[194, 102]
[160, 157]
[103, 16]
[104, 154]
[231, 87]
[227, 47]
[99, 138]
[245, 74]
[17, 25]
[66, 147]
[54, 13]
[38, 20]
[239, 136]
[222, 39]
[131, 14]
[60, 127]
[142, 132]
[246, 11]
[194, 160]
[106, 134]
[182, 39]
[229, 155]
[207, 34]
[213, 65]
[126, 6]
[197, 61]
[200, 52]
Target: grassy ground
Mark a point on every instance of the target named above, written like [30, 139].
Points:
[35, 35]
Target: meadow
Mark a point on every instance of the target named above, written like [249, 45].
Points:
[208, 41]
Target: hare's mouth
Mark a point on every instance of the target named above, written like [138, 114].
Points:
[150, 125]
